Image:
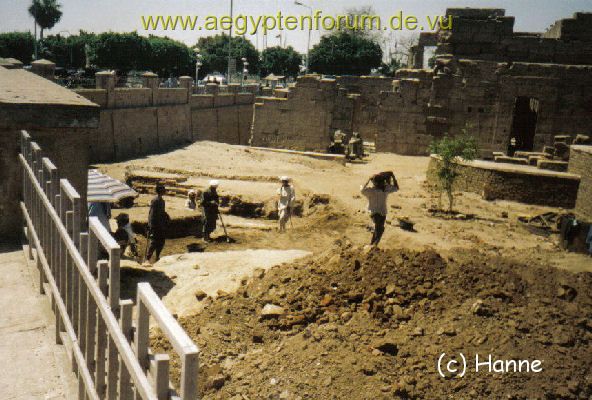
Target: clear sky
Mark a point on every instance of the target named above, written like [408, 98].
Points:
[124, 15]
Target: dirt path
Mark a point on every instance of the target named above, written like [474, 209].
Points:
[489, 231]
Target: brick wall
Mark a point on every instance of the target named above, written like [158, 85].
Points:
[139, 121]
[580, 163]
[525, 185]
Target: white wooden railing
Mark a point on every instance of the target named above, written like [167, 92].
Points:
[109, 351]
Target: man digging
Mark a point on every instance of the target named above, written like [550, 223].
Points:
[158, 219]
[209, 205]
[383, 184]
[286, 198]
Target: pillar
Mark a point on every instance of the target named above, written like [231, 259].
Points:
[106, 80]
[186, 82]
[150, 81]
[44, 68]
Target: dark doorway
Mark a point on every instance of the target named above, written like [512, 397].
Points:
[524, 121]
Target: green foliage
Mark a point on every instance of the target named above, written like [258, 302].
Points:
[66, 52]
[432, 61]
[344, 53]
[389, 69]
[214, 51]
[280, 61]
[121, 51]
[19, 45]
[170, 57]
[451, 150]
[46, 13]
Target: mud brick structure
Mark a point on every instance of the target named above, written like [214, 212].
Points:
[493, 82]
[138, 121]
[56, 118]
[580, 163]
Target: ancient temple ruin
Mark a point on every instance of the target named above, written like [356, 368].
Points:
[490, 81]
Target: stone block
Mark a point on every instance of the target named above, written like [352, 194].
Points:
[552, 165]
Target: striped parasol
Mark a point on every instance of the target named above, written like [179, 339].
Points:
[104, 189]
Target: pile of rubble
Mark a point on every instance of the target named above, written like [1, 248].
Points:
[371, 324]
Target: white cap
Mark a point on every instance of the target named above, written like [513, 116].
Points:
[284, 178]
[190, 192]
[214, 183]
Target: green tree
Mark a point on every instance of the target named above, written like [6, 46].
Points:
[121, 51]
[68, 52]
[214, 51]
[344, 53]
[451, 150]
[170, 57]
[19, 45]
[280, 61]
[46, 13]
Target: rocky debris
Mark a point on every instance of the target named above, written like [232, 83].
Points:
[353, 326]
[200, 295]
[272, 310]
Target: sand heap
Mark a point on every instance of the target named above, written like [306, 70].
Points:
[356, 325]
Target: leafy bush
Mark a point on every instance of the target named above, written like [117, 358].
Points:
[344, 53]
[17, 45]
[452, 150]
[280, 61]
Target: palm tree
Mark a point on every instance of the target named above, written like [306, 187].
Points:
[46, 13]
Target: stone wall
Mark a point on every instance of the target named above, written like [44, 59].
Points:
[488, 34]
[367, 91]
[139, 121]
[57, 119]
[306, 116]
[516, 183]
[482, 68]
[305, 119]
[580, 163]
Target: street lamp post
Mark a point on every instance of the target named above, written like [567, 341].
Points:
[245, 71]
[230, 44]
[197, 65]
[308, 44]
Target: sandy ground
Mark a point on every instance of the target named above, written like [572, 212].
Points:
[248, 172]
[34, 367]
[355, 323]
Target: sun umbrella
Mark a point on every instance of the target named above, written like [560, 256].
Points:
[104, 189]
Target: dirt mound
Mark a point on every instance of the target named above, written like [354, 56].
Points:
[357, 324]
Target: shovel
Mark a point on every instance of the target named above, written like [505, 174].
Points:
[223, 227]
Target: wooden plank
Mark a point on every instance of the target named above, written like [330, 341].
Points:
[142, 331]
[91, 331]
[114, 282]
[68, 273]
[161, 376]
[101, 353]
[81, 300]
[125, 322]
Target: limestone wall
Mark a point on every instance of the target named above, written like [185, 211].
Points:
[139, 121]
[479, 97]
[487, 34]
[58, 120]
[303, 120]
[523, 184]
[580, 163]
[368, 91]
